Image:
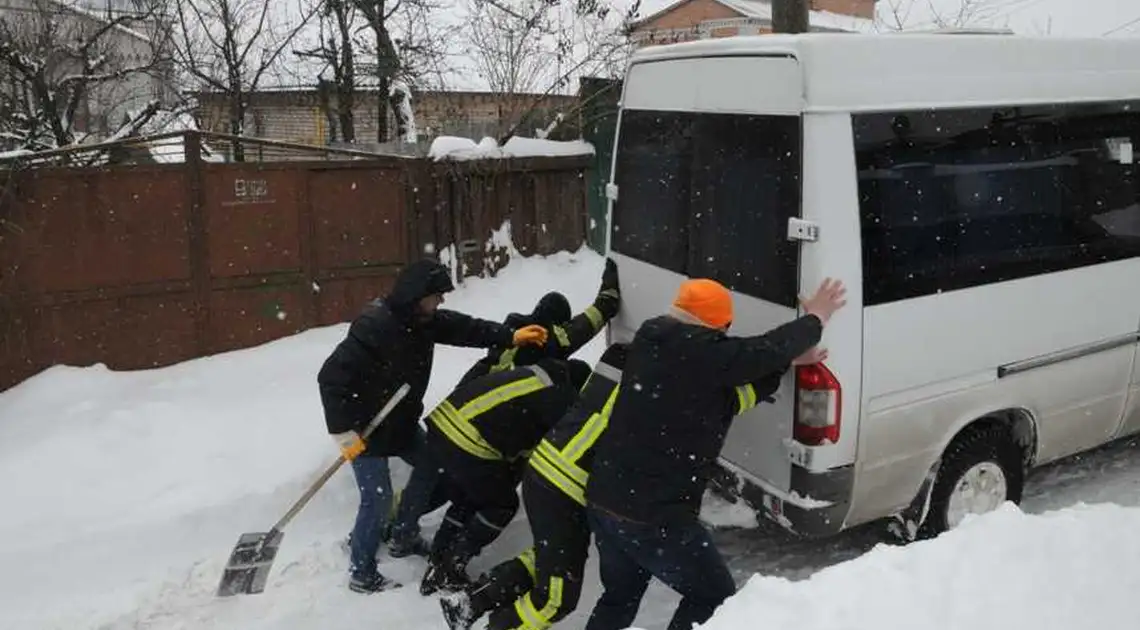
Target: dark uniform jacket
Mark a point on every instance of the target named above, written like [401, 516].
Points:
[564, 457]
[567, 335]
[502, 416]
[389, 344]
[673, 411]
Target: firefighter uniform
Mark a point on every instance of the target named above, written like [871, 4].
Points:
[475, 436]
[567, 334]
[543, 585]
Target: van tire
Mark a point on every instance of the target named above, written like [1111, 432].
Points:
[985, 441]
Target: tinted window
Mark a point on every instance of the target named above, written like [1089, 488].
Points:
[957, 198]
[709, 195]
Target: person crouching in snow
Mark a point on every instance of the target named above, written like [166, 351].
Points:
[567, 334]
[476, 436]
[390, 343]
[546, 580]
[667, 427]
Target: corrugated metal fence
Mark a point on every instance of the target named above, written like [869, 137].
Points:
[146, 265]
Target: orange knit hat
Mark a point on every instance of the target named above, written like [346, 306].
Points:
[707, 300]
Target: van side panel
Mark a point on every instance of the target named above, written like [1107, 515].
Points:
[931, 365]
[831, 199]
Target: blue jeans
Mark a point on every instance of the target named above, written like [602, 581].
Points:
[683, 556]
[374, 480]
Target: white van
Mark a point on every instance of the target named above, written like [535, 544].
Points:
[979, 196]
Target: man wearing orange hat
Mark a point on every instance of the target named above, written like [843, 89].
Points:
[666, 430]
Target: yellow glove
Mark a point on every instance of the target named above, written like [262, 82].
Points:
[351, 446]
[533, 335]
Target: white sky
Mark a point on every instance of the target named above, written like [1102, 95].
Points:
[1058, 17]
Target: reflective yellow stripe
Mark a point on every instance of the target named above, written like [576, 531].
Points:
[595, 316]
[534, 619]
[561, 336]
[590, 433]
[461, 432]
[565, 466]
[528, 561]
[506, 361]
[745, 398]
[557, 477]
[499, 395]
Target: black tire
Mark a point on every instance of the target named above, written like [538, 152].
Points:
[982, 442]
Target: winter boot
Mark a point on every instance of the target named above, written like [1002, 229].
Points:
[457, 611]
[375, 584]
[417, 546]
[444, 575]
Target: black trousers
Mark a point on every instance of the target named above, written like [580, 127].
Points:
[535, 597]
[681, 555]
[484, 500]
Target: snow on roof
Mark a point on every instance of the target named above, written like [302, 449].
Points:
[853, 72]
[762, 10]
[97, 16]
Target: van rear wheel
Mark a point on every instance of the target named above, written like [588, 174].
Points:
[981, 470]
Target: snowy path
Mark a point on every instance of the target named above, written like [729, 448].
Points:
[122, 493]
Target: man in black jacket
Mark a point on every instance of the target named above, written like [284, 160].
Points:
[666, 430]
[567, 334]
[476, 436]
[391, 343]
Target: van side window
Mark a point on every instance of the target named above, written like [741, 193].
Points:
[651, 215]
[709, 195]
[951, 199]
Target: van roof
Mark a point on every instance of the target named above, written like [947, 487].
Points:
[899, 71]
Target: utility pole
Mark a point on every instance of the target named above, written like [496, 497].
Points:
[790, 16]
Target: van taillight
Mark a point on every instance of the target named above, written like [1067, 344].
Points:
[818, 405]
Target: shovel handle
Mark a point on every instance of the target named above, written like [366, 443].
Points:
[335, 466]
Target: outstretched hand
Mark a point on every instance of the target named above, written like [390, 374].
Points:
[533, 334]
[828, 299]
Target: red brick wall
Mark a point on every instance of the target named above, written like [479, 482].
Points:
[858, 8]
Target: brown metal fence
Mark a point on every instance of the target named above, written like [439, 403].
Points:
[146, 265]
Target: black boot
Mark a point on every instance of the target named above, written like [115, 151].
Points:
[457, 611]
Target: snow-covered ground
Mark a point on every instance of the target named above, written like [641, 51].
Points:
[122, 494]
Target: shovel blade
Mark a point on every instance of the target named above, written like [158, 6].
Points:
[250, 563]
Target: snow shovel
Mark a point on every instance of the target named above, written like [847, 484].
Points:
[252, 557]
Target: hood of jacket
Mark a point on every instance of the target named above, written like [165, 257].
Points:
[415, 282]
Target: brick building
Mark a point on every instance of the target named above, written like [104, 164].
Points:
[701, 19]
[296, 114]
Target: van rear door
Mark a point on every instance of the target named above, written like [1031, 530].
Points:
[706, 176]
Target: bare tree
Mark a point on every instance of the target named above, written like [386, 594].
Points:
[900, 15]
[540, 46]
[336, 46]
[233, 46]
[65, 74]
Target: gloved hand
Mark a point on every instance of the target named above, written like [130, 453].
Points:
[351, 446]
[531, 335]
[610, 275]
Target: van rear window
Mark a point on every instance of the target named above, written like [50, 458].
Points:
[710, 195]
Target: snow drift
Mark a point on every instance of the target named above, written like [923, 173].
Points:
[1060, 570]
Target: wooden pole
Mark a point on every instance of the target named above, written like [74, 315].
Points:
[790, 16]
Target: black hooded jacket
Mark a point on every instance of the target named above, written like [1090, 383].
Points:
[567, 334]
[389, 344]
[674, 408]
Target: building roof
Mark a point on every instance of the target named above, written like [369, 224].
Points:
[762, 10]
[854, 72]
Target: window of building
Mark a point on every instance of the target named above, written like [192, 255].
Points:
[951, 199]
